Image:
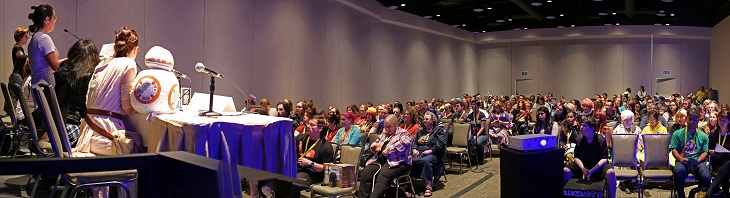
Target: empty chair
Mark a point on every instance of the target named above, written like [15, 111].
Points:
[624, 155]
[460, 144]
[656, 158]
[350, 154]
[43, 148]
[16, 131]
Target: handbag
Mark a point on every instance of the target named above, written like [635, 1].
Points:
[121, 144]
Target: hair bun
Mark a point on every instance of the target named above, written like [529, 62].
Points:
[33, 7]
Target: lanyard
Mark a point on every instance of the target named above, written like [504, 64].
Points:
[722, 143]
[345, 134]
[310, 147]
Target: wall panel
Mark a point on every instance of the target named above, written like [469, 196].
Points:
[695, 55]
[309, 76]
[609, 65]
[580, 68]
[552, 68]
[273, 48]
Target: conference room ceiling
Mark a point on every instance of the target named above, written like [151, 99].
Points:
[497, 15]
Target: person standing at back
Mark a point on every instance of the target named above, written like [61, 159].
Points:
[21, 38]
[42, 52]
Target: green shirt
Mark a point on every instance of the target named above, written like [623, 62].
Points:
[693, 146]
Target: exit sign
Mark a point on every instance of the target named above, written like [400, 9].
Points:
[523, 73]
[665, 72]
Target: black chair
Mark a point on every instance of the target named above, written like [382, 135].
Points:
[43, 148]
[45, 97]
[16, 131]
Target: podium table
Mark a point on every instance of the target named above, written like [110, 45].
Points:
[255, 141]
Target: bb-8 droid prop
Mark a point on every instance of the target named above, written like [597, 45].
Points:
[156, 90]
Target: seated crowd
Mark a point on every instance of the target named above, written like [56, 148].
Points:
[412, 138]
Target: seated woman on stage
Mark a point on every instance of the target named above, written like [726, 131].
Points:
[348, 134]
[392, 159]
[108, 98]
[428, 151]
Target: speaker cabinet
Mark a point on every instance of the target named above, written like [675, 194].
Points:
[532, 173]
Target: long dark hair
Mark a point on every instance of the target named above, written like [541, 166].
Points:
[82, 58]
[19, 66]
[39, 15]
[539, 124]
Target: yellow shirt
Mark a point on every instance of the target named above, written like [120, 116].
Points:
[658, 129]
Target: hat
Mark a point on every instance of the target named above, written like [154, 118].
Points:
[371, 111]
[349, 115]
[159, 58]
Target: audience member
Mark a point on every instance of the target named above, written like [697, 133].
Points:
[21, 38]
[720, 162]
[499, 125]
[313, 152]
[429, 146]
[332, 125]
[645, 118]
[42, 53]
[348, 134]
[410, 121]
[392, 159]
[544, 123]
[591, 158]
[689, 146]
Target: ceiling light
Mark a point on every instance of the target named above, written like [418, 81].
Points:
[463, 24]
[602, 14]
[489, 8]
[393, 7]
[667, 24]
[484, 31]
[438, 15]
[549, 1]
[618, 24]
[428, 16]
[500, 20]
[402, 5]
[510, 19]
[478, 10]
[536, 4]
[657, 24]
[671, 14]
[525, 28]
[550, 17]
[613, 13]
[562, 15]
[572, 25]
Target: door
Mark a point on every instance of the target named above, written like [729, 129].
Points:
[524, 87]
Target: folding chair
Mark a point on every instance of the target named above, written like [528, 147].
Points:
[624, 155]
[460, 144]
[656, 158]
[45, 97]
[43, 148]
[349, 154]
[16, 131]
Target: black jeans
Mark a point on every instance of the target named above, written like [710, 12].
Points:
[723, 179]
[383, 178]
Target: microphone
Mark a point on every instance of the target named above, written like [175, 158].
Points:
[72, 34]
[333, 179]
[179, 74]
[201, 68]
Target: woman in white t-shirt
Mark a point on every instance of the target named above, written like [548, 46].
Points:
[42, 53]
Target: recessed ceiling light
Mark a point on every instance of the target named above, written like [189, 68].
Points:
[510, 19]
[667, 24]
[438, 15]
[536, 4]
[500, 20]
[393, 7]
[671, 14]
[602, 14]
[562, 15]
[572, 25]
[525, 28]
[463, 24]
[618, 24]
[613, 13]
[549, 1]
[484, 31]
[402, 5]
[550, 17]
[489, 8]
[478, 10]
[428, 16]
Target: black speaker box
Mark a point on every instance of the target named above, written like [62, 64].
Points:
[531, 174]
[713, 94]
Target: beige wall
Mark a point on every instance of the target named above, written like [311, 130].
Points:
[336, 52]
[720, 61]
[580, 62]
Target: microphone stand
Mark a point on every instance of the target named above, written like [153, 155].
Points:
[210, 111]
